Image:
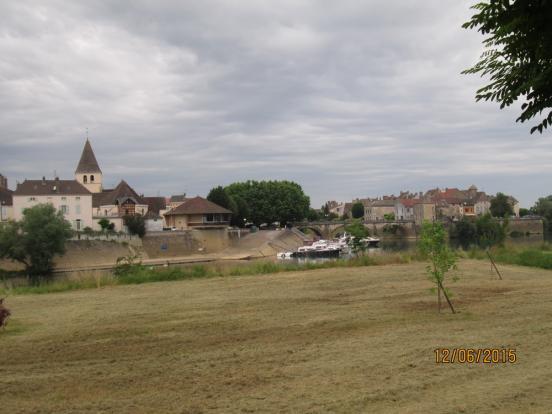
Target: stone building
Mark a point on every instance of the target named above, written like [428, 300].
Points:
[68, 196]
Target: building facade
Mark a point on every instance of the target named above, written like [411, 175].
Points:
[67, 196]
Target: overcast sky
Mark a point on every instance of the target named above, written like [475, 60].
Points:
[347, 98]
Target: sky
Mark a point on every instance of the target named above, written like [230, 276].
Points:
[347, 98]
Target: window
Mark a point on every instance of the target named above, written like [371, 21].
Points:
[77, 209]
[64, 209]
[64, 198]
[32, 198]
[85, 179]
[77, 198]
[78, 224]
[91, 178]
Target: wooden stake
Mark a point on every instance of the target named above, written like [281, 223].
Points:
[493, 264]
[446, 296]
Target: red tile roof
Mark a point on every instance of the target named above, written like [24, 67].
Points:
[50, 187]
[198, 205]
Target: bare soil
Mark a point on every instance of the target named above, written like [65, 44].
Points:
[333, 340]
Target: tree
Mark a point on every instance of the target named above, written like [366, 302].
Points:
[104, 224]
[524, 212]
[218, 195]
[517, 56]
[489, 231]
[313, 215]
[135, 224]
[36, 239]
[433, 244]
[357, 232]
[271, 201]
[389, 216]
[543, 207]
[501, 206]
[357, 210]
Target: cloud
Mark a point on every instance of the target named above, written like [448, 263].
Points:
[347, 98]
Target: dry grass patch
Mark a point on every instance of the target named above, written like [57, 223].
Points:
[331, 340]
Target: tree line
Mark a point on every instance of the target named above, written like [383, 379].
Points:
[260, 202]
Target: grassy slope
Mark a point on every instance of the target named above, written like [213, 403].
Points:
[340, 340]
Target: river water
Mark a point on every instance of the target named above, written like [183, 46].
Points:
[404, 245]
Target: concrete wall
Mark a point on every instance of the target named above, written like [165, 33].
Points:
[187, 242]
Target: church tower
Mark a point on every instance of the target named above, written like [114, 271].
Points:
[88, 171]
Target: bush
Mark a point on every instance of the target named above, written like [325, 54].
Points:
[136, 225]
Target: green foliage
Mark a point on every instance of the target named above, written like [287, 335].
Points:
[543, 207]
[524, 212]
[357, 232]
[517, 56]
[271, 201]
[88, 231]
[136, 224]
[393, 229]
[126, 265]
[501, 206]
[484, 231]
[313, 215]
[489, 231]
[433, 245]
[104, 224]
[357, 210]
[389, 216]
[218, 195]
[332, 216]
[36, 239]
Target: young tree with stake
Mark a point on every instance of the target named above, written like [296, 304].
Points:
[433, 244]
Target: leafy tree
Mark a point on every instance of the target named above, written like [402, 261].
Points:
[332, 216]
[518, 55]
[524, 212]
[489, 231]
[313, 215]
[501, 206]
[389, 216]
[242, 214]
[136, 224]
[433, 244]
[465, 231]
[543, 207]
[357, 210]
[104, 224]
[218, 195]
[271, 201]
[36, 239]
[358, 232]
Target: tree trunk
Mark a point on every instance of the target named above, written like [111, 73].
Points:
[439, 298]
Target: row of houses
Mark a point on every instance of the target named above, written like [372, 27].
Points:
[85, 202]
[450, 203]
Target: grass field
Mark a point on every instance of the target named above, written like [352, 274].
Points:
[340, 340]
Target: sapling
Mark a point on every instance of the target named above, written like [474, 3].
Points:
[433, 244]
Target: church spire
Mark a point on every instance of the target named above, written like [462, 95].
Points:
[88, 163]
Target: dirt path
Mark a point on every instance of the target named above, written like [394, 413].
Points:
[335, 340]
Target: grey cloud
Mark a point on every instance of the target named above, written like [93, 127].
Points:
[347, 98]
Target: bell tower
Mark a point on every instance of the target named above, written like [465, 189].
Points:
[88, 171]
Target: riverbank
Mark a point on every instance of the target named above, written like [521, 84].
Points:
[354, 340]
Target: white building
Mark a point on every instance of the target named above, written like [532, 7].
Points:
[67, 196]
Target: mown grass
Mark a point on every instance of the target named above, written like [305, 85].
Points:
[138, 274]
[540, 257]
